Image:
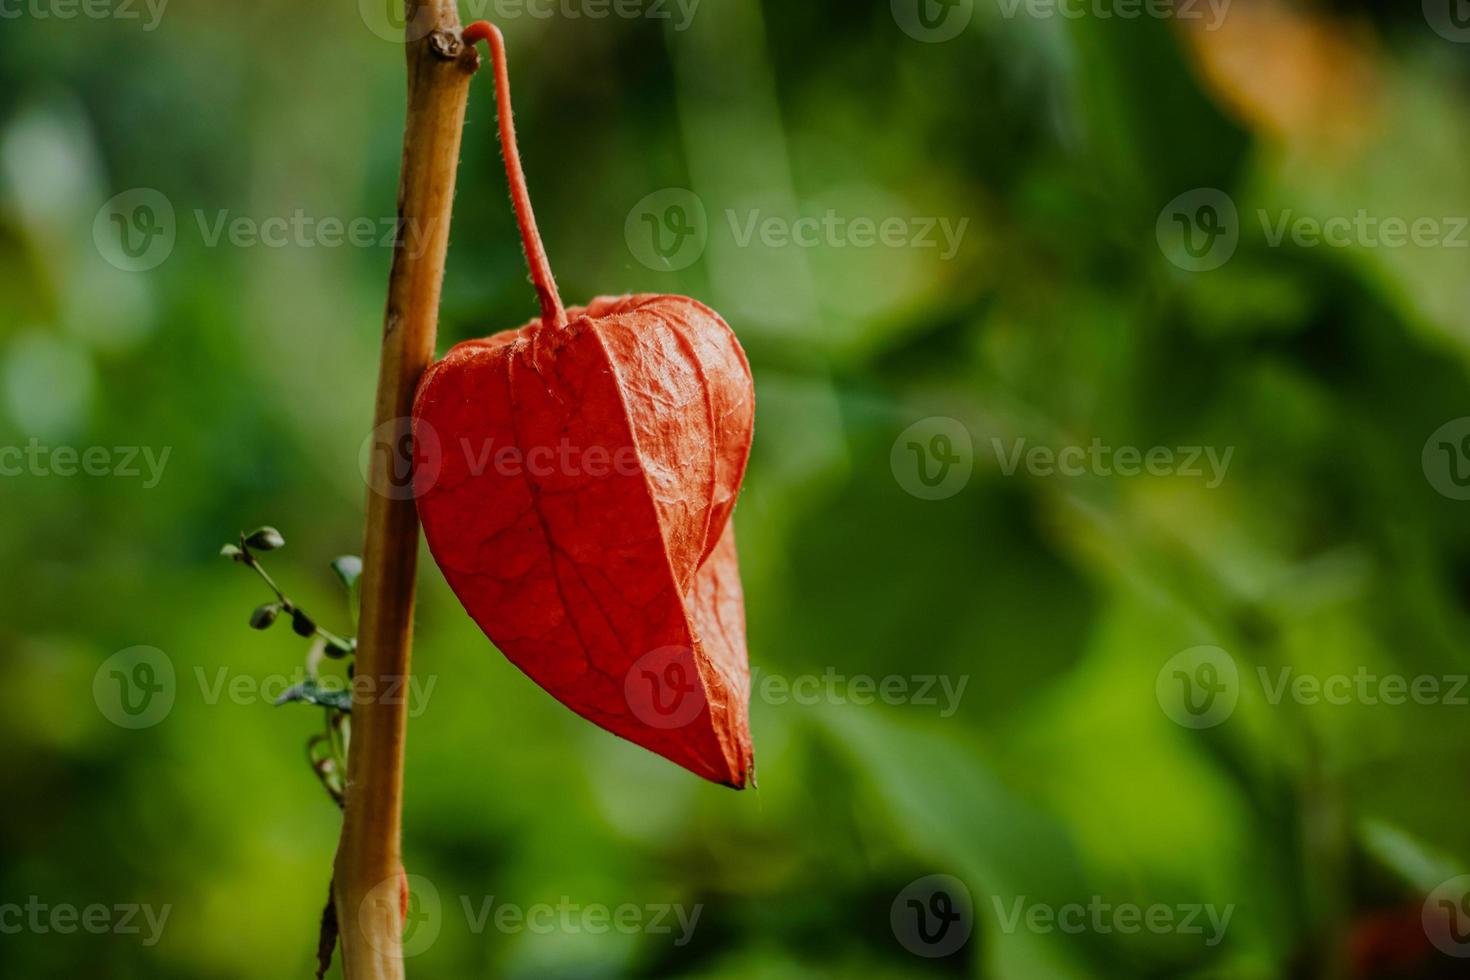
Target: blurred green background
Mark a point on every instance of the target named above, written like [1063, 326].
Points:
[1335, 544]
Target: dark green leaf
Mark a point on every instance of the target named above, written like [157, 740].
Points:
[337, 647]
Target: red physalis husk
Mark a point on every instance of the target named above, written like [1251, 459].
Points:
[580, 504]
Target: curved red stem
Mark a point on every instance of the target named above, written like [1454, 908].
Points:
[552, 312]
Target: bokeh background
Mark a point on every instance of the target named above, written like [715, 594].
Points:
[1069, 771]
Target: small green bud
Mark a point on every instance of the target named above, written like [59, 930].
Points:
[265, 539]
[348, 569]
[265, 615]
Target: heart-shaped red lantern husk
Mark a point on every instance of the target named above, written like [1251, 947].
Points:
[578, 496]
